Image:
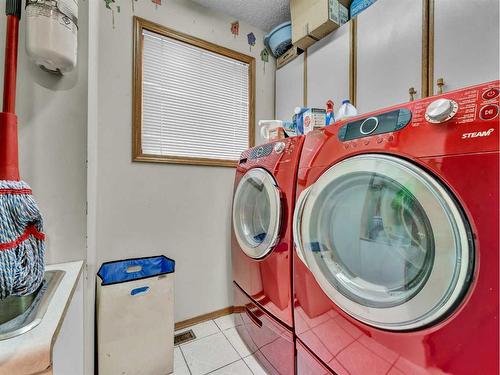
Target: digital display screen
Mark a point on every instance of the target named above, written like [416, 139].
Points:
[387, 122]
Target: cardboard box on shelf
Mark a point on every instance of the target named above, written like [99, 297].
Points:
[314, 19]
[288, 56]
[314, 118]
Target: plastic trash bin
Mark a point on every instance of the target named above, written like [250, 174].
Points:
[135, 316]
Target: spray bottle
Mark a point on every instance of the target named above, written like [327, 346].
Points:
[330, 117]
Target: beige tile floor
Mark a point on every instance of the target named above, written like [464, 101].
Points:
[217, 350]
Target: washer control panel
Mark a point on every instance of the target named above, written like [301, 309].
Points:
[261, 151]
[279, 147]
[381, 123]
[271, 155]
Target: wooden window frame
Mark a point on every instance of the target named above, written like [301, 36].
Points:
[138, 155]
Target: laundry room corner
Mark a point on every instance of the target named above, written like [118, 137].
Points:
[176, 201]
[119, 224]
[249, 187]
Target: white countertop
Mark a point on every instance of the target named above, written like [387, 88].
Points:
[31, 352]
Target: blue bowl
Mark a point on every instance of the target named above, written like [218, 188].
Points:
[279, 39]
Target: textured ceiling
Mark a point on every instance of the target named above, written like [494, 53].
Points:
[264, 14]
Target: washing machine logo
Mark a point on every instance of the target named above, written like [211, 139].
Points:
[486, 133]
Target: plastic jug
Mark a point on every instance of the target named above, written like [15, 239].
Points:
[346, 110]
[298, 119]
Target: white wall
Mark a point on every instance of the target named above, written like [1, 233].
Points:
[52, 115]
[177, 210]
[52, 143]
[134, 209]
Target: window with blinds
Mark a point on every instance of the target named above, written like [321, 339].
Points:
[194, 99]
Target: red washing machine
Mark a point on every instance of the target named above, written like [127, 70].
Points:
[261, 242]
[396, 230]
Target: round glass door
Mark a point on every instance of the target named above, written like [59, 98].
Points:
[385, 241]
[257, 213]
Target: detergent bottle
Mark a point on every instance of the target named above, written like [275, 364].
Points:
[298, 118]
[346, 110]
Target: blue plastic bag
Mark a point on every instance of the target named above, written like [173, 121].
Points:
[120, 271]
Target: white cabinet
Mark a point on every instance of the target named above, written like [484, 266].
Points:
[389, 53]
[289, 88]
[390, 37]
[465, 42]
[328, 69]
[69, 346]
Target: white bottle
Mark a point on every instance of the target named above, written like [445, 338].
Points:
[346, 110]
[52, 34]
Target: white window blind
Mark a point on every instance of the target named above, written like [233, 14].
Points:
[195, 103]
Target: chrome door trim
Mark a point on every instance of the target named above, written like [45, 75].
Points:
[272, 238]
[297, 219]
[445, 284]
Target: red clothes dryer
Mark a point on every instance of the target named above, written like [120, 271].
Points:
[263, 203]
[397, 238]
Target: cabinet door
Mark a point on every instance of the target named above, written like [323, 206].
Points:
[465, 42]
[389, 53]
[328, 69]
[289, 88]
[69, 347]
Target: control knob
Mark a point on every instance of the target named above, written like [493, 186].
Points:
[279, 147]
[441, 110]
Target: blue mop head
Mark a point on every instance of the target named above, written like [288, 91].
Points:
[22, 242]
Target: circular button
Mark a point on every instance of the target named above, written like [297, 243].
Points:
[441, 110]
[369, 125]
[488, 112]
[279, 147]
[490, 94]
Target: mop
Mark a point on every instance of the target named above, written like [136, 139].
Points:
[22, 245]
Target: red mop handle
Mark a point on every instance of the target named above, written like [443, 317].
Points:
[10, 69]
[9, 158]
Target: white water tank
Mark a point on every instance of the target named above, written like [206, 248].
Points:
[52, 34]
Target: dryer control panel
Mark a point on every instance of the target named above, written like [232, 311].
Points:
[478, 103]
[466, 106]
[455, 122]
